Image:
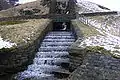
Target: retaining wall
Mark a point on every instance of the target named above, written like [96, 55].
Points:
[18, 58]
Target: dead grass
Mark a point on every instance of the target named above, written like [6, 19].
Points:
[86, 30]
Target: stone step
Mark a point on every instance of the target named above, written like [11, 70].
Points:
[43, 68]
[51, 34]
[56, 44]
[61, 71]
[50, 61]
[58, 40]
[34, 75]
[42, 49]
[42, 78]
[51, 54]
[59, 37]
[46, 69]
[61, 32]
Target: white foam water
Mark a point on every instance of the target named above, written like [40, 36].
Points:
[52, 53]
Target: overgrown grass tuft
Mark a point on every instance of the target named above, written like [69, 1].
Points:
[11, 22]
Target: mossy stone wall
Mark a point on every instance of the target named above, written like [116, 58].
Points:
[18, 58]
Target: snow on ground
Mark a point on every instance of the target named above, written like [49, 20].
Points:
[104, 41]
[108, 39]
[89, 6]
[5, 44]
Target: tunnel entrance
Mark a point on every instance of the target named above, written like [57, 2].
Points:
[61, 26]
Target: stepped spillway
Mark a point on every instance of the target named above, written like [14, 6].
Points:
[51, 59]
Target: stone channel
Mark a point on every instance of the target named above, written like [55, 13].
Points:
[51, 62]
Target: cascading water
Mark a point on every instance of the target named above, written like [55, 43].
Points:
[52, 54]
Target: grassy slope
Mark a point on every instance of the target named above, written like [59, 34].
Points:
[24, 32]
[86, 30]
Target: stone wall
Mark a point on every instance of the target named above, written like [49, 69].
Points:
[93, 63]
[97, 66]
[75, 53]
[16, 59]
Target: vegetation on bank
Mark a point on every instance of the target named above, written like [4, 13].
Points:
[101, 50]
[7, 50]
[11, 22]
[86, 30]
[96, 49]
[23, 33]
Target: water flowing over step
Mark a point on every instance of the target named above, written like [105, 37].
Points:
[52, 58]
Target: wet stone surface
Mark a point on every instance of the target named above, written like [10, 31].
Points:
[51, 59]
[98, 67]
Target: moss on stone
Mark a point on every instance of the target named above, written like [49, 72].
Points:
[101, 50]
[6, 50]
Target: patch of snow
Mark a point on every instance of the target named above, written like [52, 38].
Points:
[5, 44]
[106, 39]
[89, 7]
[110, 33]
[107, 42]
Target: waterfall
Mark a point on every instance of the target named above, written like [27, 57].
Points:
[52, 53]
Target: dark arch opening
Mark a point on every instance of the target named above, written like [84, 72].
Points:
[61, 26]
